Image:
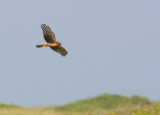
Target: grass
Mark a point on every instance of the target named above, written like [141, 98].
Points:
[100, 105]
[136, 110]
[2, 105]
[104, 101]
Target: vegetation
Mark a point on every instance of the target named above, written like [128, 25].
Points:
[101, 105]
[104, 101]
[2, 105]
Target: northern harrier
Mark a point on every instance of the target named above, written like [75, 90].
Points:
[50, 38]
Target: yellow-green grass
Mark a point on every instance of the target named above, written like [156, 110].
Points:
[100, 105]
[105, 101]
[153, 109]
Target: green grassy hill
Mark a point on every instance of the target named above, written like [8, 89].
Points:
[104, 101]
[100, 105]
[2, 105]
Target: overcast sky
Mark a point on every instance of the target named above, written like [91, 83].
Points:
[113, 45]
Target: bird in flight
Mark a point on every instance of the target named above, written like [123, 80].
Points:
[50, 38]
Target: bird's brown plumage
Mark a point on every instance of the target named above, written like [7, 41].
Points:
[50, 38]
[60, 50]
[48, 34]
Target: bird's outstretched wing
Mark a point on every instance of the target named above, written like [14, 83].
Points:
[60, 50]
[48, 34]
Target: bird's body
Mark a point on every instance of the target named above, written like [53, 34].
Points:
[50, 38]
[48, 45]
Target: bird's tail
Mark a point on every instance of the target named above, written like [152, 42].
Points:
[39, 46]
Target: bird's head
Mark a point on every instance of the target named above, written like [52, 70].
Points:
[58, 43]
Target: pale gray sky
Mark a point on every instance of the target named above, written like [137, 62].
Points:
[113, 47]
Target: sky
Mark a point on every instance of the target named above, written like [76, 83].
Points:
[113, 47]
